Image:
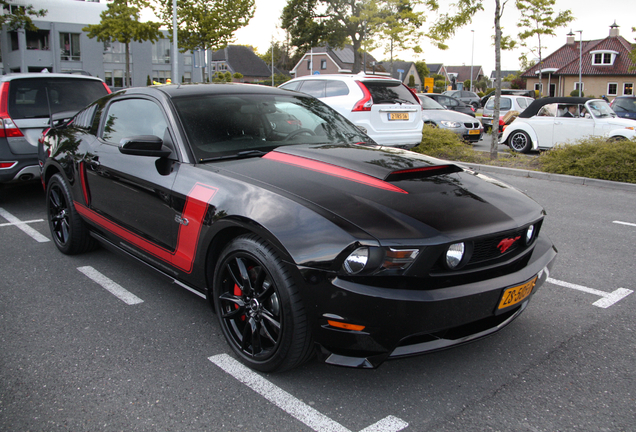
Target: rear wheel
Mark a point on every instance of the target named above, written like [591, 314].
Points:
[68, 230]
[259, 307]
[519, 141]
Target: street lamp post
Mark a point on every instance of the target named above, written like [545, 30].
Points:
[580, 61]
[472, 56]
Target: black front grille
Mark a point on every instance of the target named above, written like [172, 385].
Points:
[472, 125]
[497, 247]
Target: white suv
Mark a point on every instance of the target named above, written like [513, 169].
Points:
[384, 108]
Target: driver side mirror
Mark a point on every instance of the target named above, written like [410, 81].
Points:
[144, 145]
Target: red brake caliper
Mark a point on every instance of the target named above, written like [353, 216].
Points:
[238, 292]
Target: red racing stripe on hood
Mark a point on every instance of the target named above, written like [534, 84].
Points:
[332, 170]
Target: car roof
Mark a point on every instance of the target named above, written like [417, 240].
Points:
[535, 106]
[185, 90]
[16, 76]
[361, 76]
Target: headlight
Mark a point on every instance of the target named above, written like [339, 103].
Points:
[529, 234]
[450, 124]
[455, 254]
[356, 261]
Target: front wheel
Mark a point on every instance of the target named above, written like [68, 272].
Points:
[68, 230]
[519, 141]
[259, 307]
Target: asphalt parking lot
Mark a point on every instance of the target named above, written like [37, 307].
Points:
[98, 342]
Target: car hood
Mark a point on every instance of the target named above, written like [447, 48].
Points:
[389, 193]
[448, 115]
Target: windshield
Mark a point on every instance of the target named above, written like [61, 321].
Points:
[221, 126]
[430, 104]
[600, 109]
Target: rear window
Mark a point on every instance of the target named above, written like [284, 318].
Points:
[41, 97]
[389, 93]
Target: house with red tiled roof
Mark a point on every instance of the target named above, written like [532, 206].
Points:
[463, 73]
[329, 60]
[604, 66]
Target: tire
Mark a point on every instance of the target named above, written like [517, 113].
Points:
[70, 233]
[259, 308]
[475, 105]
[519, 141]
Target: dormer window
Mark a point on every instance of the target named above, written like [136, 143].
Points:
[603, 58]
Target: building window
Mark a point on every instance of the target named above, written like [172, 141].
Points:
[603, 57]
[628, 89]
[115, 52]
[187, 77]
[187, 60]
[576, 86]
[612, 89]
[323, 64]
[14, 41]
[308, 64]
[114, 78]
[161, 51]
[37, 40]
[70, 46]
[160, 76]
[537, 87]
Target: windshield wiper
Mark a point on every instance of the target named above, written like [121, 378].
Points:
[239, 155]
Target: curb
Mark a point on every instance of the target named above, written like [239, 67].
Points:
[629, 187]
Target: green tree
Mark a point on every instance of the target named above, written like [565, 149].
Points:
[19, 16]
[121, 22]
[632, 54]
[422, 70]
[205, 24]
[446, 26]
[538, 19]
[337, 22]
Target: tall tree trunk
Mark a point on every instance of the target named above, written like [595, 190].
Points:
[127, 77]
[495, 115]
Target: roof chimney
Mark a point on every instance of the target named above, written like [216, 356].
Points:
[614, 30]
[570, 39]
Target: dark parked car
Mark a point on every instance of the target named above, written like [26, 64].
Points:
[28, 103]
[451, 103]
[624, 106]
[301, 238]
[465, 96]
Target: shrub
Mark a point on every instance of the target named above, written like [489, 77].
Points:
[575, 93]
[444, 144]
[593, 158]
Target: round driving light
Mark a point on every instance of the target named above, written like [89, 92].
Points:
[529, 234]
[356, 261]
[454, 255]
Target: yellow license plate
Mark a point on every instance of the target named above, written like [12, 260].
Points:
[516, 294]
[473, 132]
[398, 116]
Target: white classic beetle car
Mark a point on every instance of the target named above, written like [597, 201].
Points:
[551, 121]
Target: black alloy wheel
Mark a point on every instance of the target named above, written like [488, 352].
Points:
[258, 306]
[68, 230]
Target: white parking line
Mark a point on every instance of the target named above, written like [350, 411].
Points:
[607, 300]
[111, 286]
[294, 407]
[625, 223]
[23, 226]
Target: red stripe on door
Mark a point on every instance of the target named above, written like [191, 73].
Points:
[196, 206]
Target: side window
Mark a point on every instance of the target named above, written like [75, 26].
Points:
[451, 102]
[291, 86]
[315, 88]
[336, 88]
[130, 117]
[506, 104]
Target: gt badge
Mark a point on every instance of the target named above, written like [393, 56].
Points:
[181, 220]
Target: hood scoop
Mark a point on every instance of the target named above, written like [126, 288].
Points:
[421, 172]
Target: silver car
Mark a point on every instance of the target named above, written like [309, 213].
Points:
[468, 128]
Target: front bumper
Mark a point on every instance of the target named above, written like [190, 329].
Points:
[399, 322]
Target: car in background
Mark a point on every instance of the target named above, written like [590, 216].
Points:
[468, 97]
[507, 103]
[624, 106]
[514, 92]
[466, 127]
[384, 108]
[551, 121]
[305, 241]
[451, 103]
[29, 103]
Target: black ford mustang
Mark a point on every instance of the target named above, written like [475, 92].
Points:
[300, 231]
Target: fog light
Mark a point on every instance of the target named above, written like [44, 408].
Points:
[356, 261]
[455, 254]
[529, 234]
